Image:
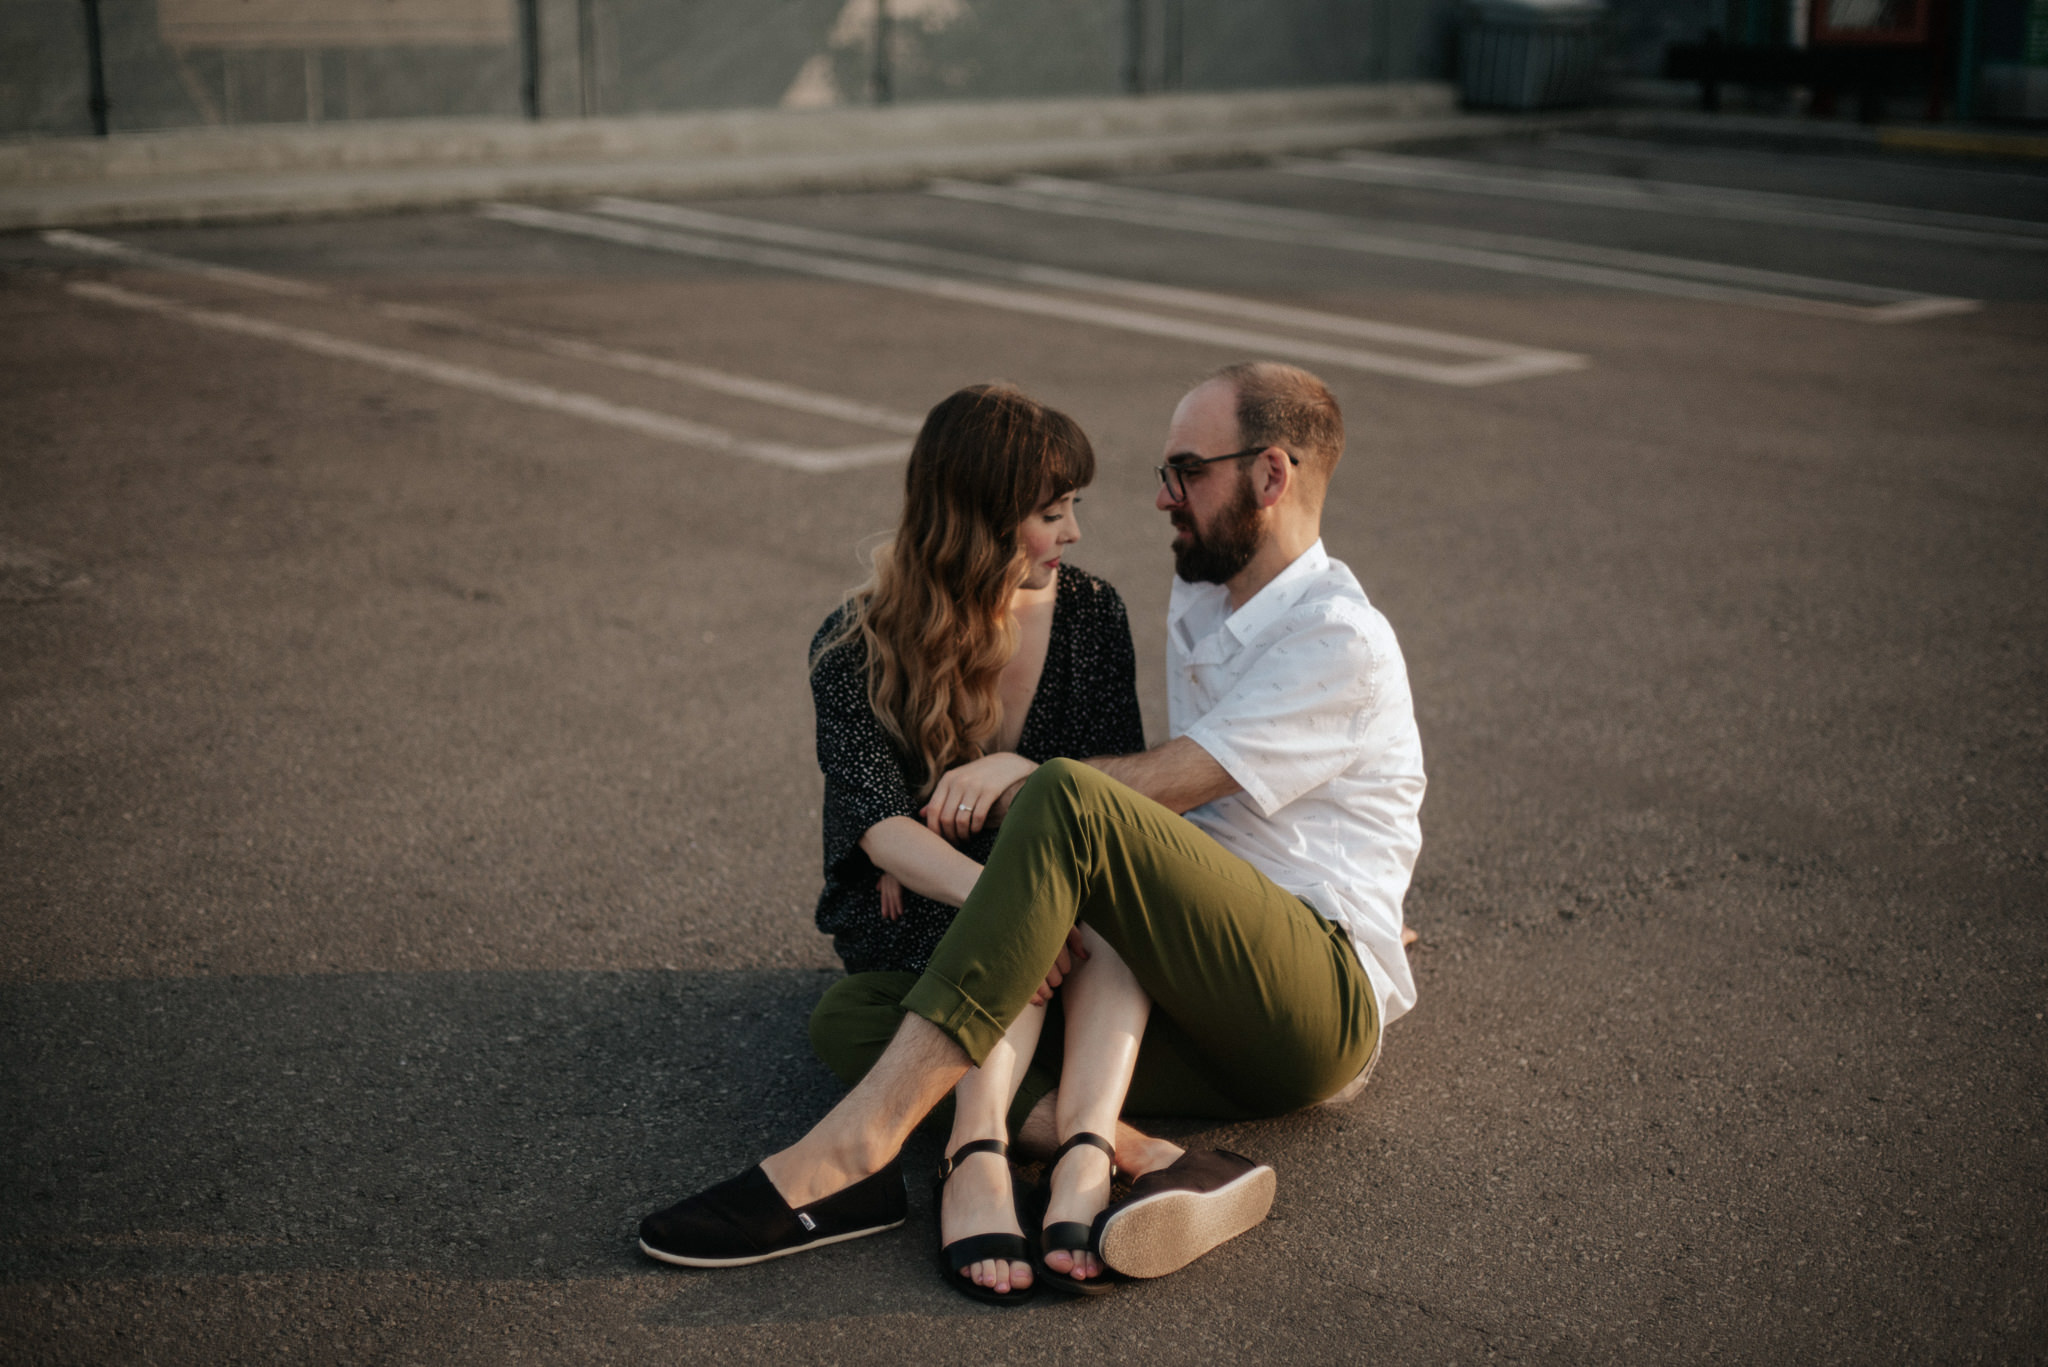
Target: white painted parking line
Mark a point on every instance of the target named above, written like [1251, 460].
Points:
[1055, 277]
[586, 406]
[1673, 197]
[765, 392]
[1495, 361]
[1607, 267]
[225, 275]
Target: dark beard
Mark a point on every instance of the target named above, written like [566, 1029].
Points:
[1229, 545]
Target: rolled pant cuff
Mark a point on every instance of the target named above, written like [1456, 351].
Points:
[958, 1016]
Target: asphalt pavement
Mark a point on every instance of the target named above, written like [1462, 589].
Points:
[408, 821]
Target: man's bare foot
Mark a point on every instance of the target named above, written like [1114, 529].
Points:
[1080, 1189]
[978, 1199]
[819, 1164]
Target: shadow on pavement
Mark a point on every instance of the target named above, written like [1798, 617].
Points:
[487, 1124]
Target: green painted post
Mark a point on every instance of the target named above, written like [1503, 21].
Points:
[1756, 21]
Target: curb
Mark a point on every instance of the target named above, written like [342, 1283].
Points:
[1793, 133]
[2014, 146]
[292, 173]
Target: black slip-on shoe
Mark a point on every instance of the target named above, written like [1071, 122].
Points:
[745, 1220]
[1175, 1215]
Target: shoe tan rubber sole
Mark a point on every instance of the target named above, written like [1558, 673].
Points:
[1155, 1235]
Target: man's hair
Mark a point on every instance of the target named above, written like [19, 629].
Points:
[1285, 406]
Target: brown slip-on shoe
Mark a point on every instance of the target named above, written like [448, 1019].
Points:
[1175, 1215]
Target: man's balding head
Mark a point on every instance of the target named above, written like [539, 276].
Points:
[1285, 406]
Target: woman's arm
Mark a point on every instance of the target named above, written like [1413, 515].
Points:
[969, 796]
[925, 863]
[921, 861]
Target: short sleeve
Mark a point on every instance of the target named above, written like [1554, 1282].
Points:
[864, 779]
[1294, 720]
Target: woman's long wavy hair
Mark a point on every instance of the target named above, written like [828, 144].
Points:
[935, 616]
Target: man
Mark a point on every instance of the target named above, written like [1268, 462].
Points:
[1235, 895]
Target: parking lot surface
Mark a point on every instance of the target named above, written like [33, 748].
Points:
[408, 820]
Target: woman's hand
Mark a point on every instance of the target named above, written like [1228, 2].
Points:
[1071, 953]
[961, 802]
[892, 896]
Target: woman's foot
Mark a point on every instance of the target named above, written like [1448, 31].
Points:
[979, 1198]
[1078, 1190]
[1138, 1153]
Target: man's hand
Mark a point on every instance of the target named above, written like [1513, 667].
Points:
[1063, 963]
[961, 803]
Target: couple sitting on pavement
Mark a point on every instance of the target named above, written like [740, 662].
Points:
[1054, 926]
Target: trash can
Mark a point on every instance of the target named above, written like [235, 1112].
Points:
[1529, 54]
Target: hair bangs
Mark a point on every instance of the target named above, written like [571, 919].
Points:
[1067, 462]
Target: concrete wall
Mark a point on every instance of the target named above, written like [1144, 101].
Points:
[184, 63]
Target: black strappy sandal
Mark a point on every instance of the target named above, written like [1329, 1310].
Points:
[1071, 1236]
[956, 1257]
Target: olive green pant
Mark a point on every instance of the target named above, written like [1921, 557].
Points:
[1259, 1005]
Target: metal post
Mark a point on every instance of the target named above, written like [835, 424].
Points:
[316, 85]
[884, 91]
[586, 57]
[96, 69]
[1170, 42]
[1134, 47]
[529, 43]
[1966, 62]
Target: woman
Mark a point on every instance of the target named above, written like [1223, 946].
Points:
[970, 656]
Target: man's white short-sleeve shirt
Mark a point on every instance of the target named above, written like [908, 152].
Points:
[1302, 695]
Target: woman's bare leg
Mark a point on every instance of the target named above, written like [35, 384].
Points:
[1106, 1011]
[977, 1200]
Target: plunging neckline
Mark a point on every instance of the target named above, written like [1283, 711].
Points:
[1038, 685]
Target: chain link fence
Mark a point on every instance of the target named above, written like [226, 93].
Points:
[191, 63]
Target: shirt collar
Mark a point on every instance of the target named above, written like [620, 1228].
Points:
[1186, 598]
[1282, 593]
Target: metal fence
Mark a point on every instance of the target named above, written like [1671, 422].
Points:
[187, 63]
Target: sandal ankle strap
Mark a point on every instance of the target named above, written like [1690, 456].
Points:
[951, 1161]
[1083, 1137]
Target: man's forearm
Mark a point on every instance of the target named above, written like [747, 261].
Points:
[1178, 775]
[923, 862]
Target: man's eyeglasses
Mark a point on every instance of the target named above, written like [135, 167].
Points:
[1174, 474]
